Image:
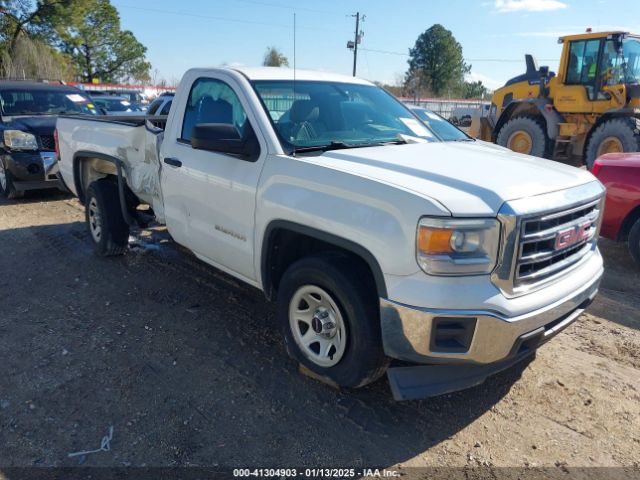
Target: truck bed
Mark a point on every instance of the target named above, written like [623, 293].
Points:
[132, 141]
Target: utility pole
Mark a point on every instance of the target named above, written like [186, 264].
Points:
[355, 46]
[356, 40]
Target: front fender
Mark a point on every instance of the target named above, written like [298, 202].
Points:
[379, 217]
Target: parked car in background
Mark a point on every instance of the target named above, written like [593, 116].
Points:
[133, 96]
[28, 119]
[161, 105]
[446, 130]
[116, 105]
[620, 174]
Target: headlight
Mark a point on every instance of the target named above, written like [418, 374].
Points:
[456, 246]
[17, 140]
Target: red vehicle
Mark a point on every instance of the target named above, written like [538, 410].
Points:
[620, 173]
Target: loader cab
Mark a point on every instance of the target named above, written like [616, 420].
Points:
[597, 72]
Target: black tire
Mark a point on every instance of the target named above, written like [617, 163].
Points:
[625, 130]
[10, 192]
[533, 126]
[363, 360]
[634, 242]
[113, 235]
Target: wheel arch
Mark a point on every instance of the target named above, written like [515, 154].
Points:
[281, 233]
[101, 166]
[91, 166]
[625, 227]
[533, 107]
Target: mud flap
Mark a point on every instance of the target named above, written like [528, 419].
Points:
[423, 381]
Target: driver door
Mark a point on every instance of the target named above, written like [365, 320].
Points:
[209, 196]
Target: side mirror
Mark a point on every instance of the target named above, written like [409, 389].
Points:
[225, 138]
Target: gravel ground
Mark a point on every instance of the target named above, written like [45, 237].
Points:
[187, 366]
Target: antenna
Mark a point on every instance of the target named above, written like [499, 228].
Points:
[294, 63]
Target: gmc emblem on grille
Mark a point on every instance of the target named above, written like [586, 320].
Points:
[571, 236]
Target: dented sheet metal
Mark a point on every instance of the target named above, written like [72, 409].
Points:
[143, 174]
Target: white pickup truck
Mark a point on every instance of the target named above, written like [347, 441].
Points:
[385, 248]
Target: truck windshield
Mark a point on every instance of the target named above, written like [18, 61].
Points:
[333, 114]
[28, 101]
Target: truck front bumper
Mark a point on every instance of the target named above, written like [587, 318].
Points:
[459, 349]
[420, 335]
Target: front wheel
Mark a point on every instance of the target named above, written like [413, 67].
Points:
[106, 225]
[7, 187]
[331, 321]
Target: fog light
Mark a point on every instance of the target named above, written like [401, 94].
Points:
[452, 334]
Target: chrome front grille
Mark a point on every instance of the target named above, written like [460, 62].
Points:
[545, 236]
[550, 243]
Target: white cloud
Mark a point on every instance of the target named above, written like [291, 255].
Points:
[528, 5]
[490, 83]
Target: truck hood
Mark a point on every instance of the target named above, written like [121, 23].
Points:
[466, 178]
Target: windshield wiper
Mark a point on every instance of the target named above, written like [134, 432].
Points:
[334, 145]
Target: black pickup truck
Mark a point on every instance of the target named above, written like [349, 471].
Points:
[28, 116]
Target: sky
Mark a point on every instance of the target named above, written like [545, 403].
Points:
[495, 35]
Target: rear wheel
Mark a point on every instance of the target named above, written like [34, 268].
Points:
[613, 136]
[330, 320]
[524, 135]
[106, 225]
[7, 187]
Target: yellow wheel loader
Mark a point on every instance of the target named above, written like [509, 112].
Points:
[591, 107]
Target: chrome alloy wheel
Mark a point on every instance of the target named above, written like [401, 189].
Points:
[95, 220]
[317, 326]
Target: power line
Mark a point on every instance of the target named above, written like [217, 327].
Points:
[224, 19]
[185, 14]
[387, 52]
[498, 60]
[288, 7]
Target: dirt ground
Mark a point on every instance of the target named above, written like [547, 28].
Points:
[187, 366]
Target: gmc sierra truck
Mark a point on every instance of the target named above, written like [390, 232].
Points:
[385, 248]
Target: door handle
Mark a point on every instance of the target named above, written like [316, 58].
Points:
[174, 162]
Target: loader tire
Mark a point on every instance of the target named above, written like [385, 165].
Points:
[613, 136]
[107, 228]
[524, 135]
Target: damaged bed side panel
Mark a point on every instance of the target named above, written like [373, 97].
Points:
[136, 145]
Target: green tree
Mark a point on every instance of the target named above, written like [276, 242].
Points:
[26, 35]
[99, 48]
[274, 58]
[474, 90]
[86, 33]
[32, 58]
[436, 64]
[32, 18]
